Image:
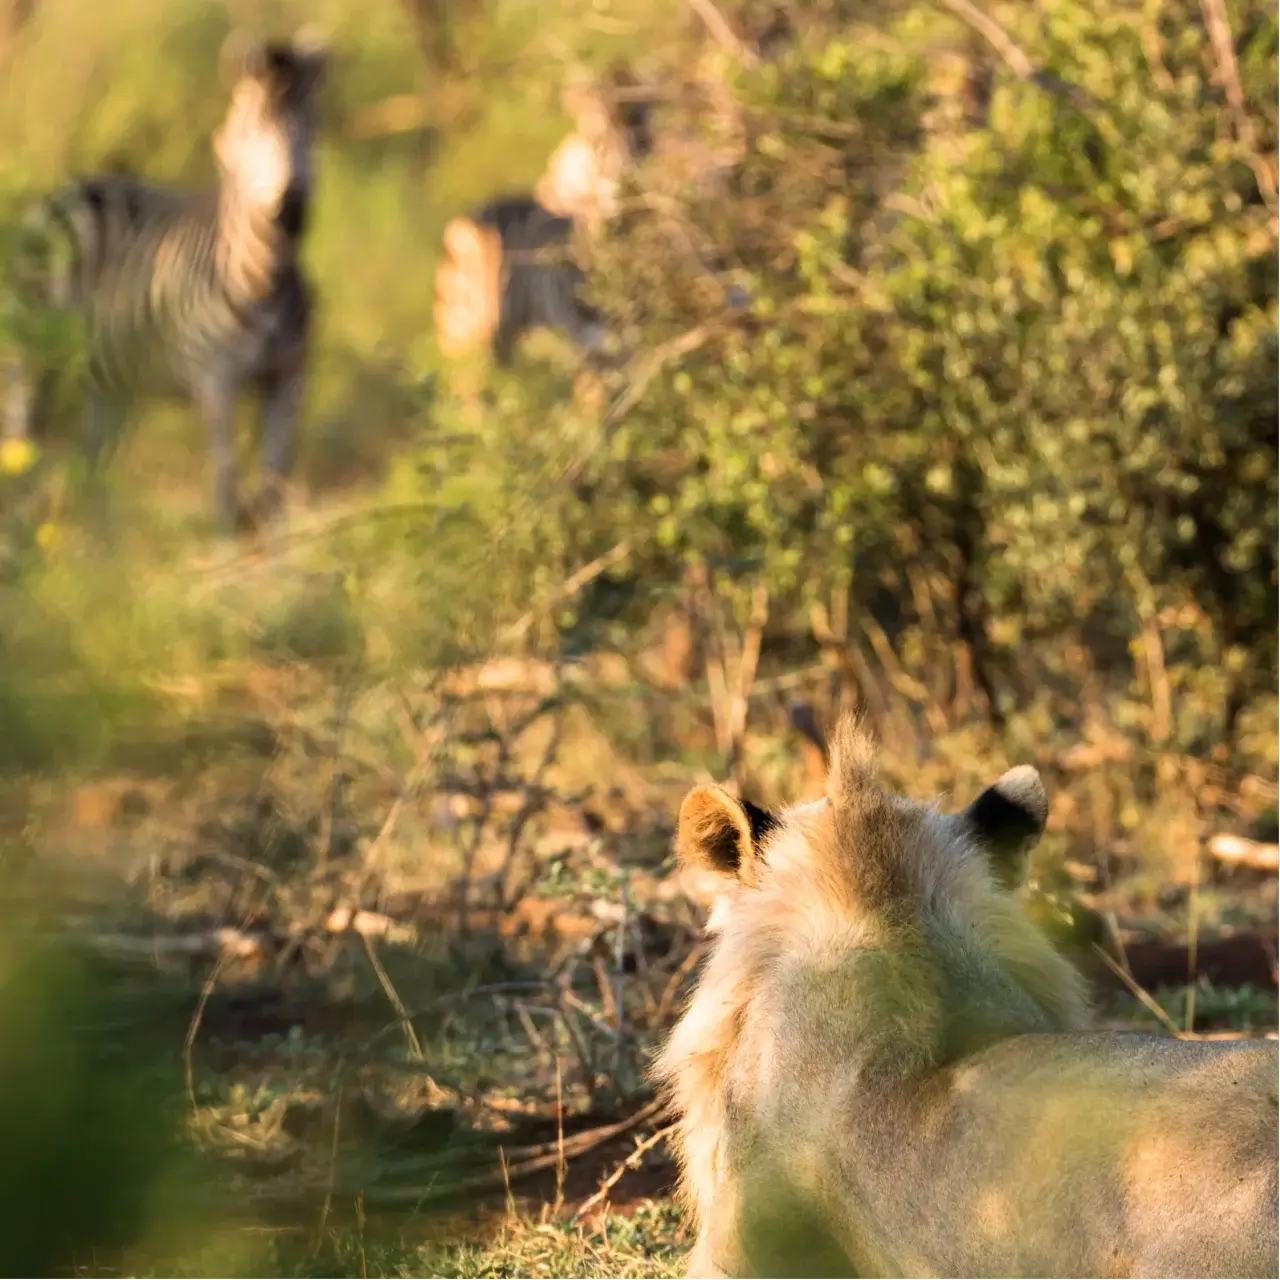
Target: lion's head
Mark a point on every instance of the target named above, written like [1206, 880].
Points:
[885, 919]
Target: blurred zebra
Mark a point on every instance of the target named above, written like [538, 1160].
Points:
[613, 130]
[199, 295]
[509, 269]
[509, 266]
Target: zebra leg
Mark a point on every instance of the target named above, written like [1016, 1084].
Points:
[584, 324]
[504, 342]
[555, 299]
[281, 396]
[217, 402]
[102, 424]
[591, 336]
[18, 396]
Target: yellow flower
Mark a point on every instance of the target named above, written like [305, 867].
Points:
[16, 456]
[48, 535]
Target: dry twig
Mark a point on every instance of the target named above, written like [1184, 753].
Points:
[1219, 28]
[193, 1030]
[748, 662]
[672, 988]
[393, 996]
[718, 25]
[333, 1168]
[653, 365]
[1153, 649]
[574, 583]
[633, 1161]
[1139, 994]
[1016, 58]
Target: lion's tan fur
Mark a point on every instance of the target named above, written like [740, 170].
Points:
[874, 1008]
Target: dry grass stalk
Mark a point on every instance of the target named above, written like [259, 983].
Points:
[393, 996]
[632, 1161]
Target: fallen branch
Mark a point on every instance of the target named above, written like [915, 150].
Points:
[403, 113]
[228, 942]
[1240, 852]
[521, 1163]
[408, 915]
[233, 944]
[368, 924]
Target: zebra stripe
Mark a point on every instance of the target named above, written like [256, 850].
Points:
[200, 295]
[542, 284]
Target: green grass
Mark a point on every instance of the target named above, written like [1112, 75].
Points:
[649, 1241]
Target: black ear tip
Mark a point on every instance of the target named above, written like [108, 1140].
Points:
[762, 821]
[1023, 787]
[1012, 812]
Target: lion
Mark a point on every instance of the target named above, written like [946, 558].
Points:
[885, 1069]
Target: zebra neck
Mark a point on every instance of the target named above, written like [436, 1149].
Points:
[252, 246]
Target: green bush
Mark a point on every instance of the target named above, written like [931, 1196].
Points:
[88, 1124]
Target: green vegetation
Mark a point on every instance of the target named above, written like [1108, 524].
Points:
[991, 453]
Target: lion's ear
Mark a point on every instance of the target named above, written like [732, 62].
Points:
[717, 832]
[1008, 819]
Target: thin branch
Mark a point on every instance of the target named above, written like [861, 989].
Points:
[403, 113]
[333, 1169]
[1139, 994]
[633, 1161]
[193, 1030]
[672, 989]
[714, 645]
[393, 997]
[653, 365]
[849, 656]
[580, 578]
[1016, 58]
[748, 662]
[724, 34]
[1161, 723]
[1219, 27]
